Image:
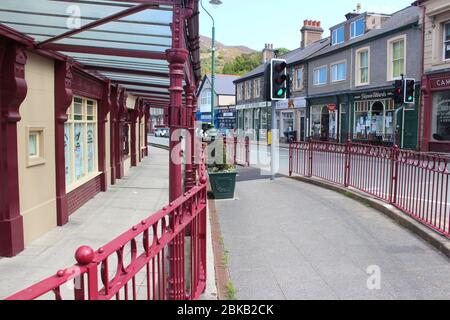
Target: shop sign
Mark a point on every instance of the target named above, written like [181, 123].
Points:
[295, 103]
[332, 107]
[254, 105]
[373, 95]
[440, 83]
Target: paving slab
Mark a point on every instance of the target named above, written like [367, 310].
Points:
[290, 240]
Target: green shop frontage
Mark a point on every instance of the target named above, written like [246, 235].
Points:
[254, 120]
[365, 116]
[375, 118]
[328, 117]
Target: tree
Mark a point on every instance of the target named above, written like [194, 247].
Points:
[282, 51]
[243, 64]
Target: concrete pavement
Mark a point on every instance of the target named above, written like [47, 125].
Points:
[289, 240]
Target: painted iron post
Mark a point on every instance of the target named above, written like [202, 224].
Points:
[177, 58]
[189, 173]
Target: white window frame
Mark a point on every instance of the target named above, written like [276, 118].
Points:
[334, 38]
[239, 91]
[248, 90]
[445, 42]
[257, 88]
[39, 157]
[299, 86]
[353, 29]
[336, 64]
[358, 67]
[390, 54]
[74, 182]
[318, 70]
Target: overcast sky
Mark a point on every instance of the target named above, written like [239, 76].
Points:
[252, 22]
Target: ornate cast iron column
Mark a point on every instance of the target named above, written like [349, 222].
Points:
[105, 108]
[113, 132]
[63, 100]
[189, 180]
[13, 92]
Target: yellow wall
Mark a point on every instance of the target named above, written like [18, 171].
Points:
[437, 12]
[37, 195]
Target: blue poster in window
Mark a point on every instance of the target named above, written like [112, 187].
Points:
[78, 151]
[67, 157]
[90, 147]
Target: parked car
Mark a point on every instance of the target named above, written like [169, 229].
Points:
[162, 132]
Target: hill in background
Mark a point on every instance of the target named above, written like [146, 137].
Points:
[224, 55]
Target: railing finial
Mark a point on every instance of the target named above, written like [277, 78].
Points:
[84, 255]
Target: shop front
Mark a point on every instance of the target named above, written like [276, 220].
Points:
[254, 120]
[291, 119]
[328, 118]
[374, 117]
[436, 119]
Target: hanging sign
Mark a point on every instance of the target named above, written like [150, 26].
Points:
[332, 107]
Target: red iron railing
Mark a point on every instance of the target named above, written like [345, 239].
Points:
[136, 266]
[415, 183]
[238, 150]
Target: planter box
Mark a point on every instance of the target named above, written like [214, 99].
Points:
[223, 184]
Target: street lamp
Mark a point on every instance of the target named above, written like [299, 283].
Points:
[215, 4]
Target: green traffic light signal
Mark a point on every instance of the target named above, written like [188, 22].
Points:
[280, 92]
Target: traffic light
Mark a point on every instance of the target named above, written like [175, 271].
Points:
[399, 91]
[278, 79]
[410, 90]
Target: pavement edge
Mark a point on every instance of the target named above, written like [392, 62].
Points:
[430, 236]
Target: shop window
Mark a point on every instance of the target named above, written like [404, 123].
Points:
[374, 120]
[357, 28]
[396, 57]
[80, 142]
[447, 41]
[338, 36]
[339, 72]
[441, 116]
[35, 146]
[362, 66]
[320, 76]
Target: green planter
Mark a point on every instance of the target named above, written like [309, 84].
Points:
[223, 184]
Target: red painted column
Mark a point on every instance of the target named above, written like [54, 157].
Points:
[105, 108]
[189, 180]
[122, 108]
[134, 141]
[13, 91]
[63, 100]
[147, 124]
[194, 138]
[176, 58]
[141, 134]
[113, 135]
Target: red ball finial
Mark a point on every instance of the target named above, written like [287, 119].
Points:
[84, 255]
[203, 180]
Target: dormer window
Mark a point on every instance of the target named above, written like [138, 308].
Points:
[357, 28]
[338, 36]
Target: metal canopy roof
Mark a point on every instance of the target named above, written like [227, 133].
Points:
[124, 41]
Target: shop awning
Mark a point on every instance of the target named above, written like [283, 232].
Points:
[124, 41]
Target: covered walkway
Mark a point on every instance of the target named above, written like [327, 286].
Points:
[312, 243]
[135, 197]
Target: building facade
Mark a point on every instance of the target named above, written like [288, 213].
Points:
[350, 81]
[224, 99]
[435, 117]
